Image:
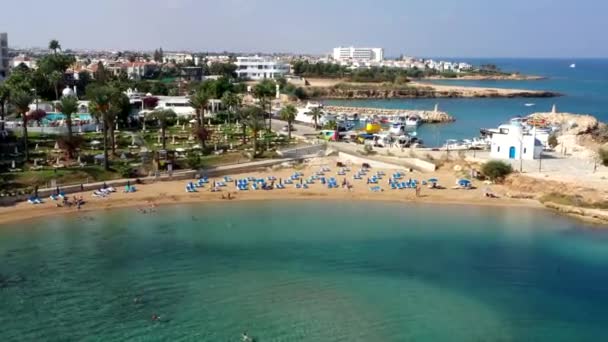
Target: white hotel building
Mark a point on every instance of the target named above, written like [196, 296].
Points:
[259, 68]
[358, 54]
[3, 55]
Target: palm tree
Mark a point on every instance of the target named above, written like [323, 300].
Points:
[316, 114]
[21, 101]
[288, 113]
[54, 78]
[200, 101]
[231, 101]
[5, 93]
[242, 116]
[99, 105]
[255, 121]
[165, 118]
[68, 106]
[54, 45]
[264, 91]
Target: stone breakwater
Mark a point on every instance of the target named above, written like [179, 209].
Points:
[427, 116]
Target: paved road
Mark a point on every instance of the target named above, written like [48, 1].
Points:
[301, 131]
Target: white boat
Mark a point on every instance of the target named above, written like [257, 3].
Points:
[455, 145]
[397, 129]
[398, 119]
[572, 65]
[413, 120]
[529, 104]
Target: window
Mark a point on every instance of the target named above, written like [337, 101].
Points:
[498, 149]
[525, 150]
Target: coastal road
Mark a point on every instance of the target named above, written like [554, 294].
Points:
[301, 131]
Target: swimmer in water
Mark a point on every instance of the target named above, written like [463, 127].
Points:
[155, 317]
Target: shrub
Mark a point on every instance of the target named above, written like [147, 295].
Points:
[496, 170]
[552, 141]
[193, 160]
[603, 156]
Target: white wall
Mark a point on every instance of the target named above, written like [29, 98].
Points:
[503, 144]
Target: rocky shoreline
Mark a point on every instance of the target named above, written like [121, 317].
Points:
[427, 116]
[510, 77]
[423, 91]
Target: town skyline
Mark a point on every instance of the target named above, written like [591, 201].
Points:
[467, 29]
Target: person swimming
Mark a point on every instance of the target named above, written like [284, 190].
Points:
[155, 317]
[245, 337]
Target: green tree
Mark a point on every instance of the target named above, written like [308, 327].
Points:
[232, 102]
[315, 114]
[21, 100]
[254, 118]
[5, 93]
[54, 78]
[99, 97]
[68, 105]
[264, 92]
[54, 46]
[288, 113]
[552, 141]
[200, 101]
[165, 119]
[496, 170]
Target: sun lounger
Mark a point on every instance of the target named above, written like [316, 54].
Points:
[227, 179]
[375, 189]
[279, 186]
[54, 197]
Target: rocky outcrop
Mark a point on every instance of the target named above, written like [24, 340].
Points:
[568, 122]
[423, 91]
[427, 116]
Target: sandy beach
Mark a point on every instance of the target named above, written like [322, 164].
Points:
[173, 192]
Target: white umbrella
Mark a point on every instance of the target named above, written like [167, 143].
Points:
[179, 149]
[95, 142]
[192, 121]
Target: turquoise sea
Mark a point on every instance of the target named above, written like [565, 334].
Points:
[305, 271]
[585, 88]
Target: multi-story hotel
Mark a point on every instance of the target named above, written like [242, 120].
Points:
[259, 68]
[358, 54]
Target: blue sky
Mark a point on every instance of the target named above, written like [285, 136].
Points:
[451, 28]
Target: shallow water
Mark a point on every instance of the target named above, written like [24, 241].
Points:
[309, 271]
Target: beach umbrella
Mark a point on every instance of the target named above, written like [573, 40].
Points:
[180, 149]
[463, 182]
[192, 121]
[95, 142]
[433, 180]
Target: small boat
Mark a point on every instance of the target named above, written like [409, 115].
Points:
[397, 129]
[530, 104]
[372, 128]
[413, 120]
[455, 145]
[572, 65]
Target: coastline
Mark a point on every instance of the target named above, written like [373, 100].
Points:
[509, 77]
[336, 89]
[173, 193]
[22, 212]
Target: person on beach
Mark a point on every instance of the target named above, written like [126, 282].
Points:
[417, 190]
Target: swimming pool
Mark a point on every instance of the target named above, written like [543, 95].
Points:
[50, 117]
